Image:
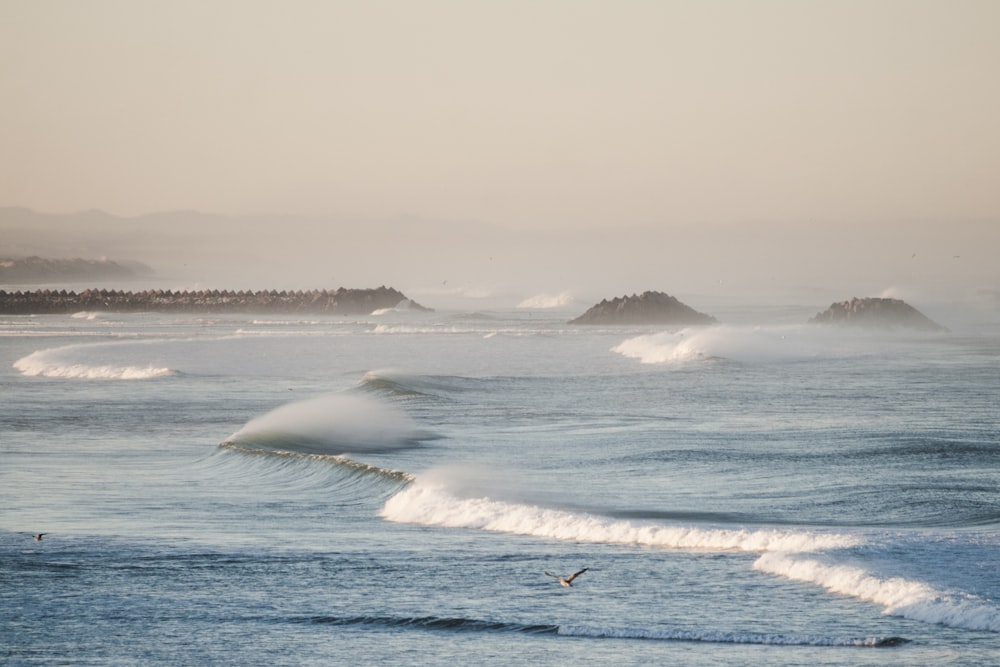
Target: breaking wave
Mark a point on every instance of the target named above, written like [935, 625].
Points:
[791, 554]
[748, 344]
[896, 595]
[545, 301]
[54, 363]
[434, 505]
[331, 425]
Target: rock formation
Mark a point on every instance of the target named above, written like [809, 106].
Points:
[646, 308]
[335, 302]
[876, 313]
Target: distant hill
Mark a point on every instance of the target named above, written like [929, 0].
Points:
[41, 270]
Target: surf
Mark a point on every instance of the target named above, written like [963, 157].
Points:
[58, 362]
[429, 503]
[334, 424]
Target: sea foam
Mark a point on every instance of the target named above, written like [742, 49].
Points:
[434, 505]
[54, 363]
[748, 344]
[896, 595]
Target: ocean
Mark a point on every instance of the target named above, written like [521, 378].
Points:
[393, 490]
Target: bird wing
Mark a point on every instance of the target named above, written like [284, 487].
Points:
[576, 574]
[554, 576]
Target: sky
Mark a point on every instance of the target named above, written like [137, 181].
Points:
[766, 121]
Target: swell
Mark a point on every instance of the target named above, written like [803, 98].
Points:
[349, 465]
[457, 624]
[796, 555]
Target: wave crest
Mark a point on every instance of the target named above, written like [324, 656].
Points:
[897, 596]
[331, 425]
[433, 505]
[46, 363]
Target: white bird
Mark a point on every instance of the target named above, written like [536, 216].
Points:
[38, 537]
[567, 581]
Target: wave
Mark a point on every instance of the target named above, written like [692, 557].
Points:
[748, 344]
[596, 632]
[791, 554]
[433, 505]
[352, 466]
[896, 595]
[545, 301]
[52, 363]
[331, 425]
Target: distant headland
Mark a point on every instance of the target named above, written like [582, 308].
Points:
[26, 270]
[341, 301]
[646, 308]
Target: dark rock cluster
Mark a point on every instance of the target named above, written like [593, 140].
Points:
[646, 308]
[876, 313]
[341, 301]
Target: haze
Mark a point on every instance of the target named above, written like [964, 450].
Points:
[511, 147]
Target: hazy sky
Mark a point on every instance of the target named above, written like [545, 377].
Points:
[561, 113]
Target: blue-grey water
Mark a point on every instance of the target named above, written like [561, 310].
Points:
[392, 489]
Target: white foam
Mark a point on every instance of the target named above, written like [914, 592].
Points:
[434, 505]
[544, 301]
[46, 363]
[744, 343]
[897, 596]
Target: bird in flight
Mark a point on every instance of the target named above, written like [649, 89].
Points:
[567, 581]
[38, 537]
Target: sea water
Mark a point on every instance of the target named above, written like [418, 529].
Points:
[393, 489]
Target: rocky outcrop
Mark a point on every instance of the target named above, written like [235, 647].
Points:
[42, 270]
[646, 308]
[335, 302]
[876, 313]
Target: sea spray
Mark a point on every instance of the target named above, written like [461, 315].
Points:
[747, 344]
[332, 424]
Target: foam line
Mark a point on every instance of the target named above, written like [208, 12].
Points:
[896, 595]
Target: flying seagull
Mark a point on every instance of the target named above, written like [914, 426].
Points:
[567, 581]
[38, 537]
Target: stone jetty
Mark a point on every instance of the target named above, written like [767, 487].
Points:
[341, 301]
[875, 312]
[646, 308]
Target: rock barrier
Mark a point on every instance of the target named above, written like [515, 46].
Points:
[341, 301]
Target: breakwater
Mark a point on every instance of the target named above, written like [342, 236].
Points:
[341, 301]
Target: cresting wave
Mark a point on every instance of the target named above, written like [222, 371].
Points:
[343, 461]
[897, 596]
[331, 425]
[433, 505]
[52, 363]
[595, 632]
[783, 553]
[747, 344]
